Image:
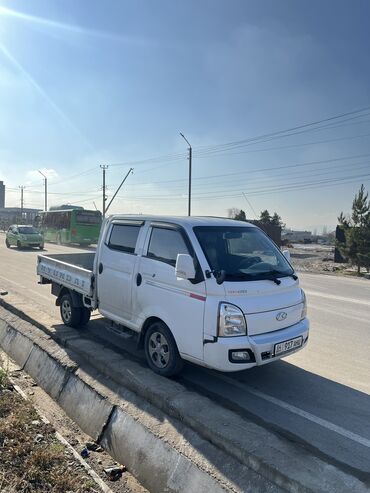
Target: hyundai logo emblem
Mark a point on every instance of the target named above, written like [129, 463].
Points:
[281, 316]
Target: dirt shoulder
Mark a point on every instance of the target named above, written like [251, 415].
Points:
[318, 259]
[32, 457]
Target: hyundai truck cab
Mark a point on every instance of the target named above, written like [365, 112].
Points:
[216, 292]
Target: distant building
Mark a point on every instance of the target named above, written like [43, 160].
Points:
[2, 195]
[14, 215]
[296, 236]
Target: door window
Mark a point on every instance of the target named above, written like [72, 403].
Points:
[165, 244]
[123, 237]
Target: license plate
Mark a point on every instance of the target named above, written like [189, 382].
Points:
[286, 346]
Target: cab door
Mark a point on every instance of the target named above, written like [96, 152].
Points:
[179, 303]
[115, 270]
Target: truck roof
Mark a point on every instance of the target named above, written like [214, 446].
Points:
[184, 220]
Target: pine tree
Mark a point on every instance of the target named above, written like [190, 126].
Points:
[240, 216]
[277, 221]
[265, 217]
[357, 232]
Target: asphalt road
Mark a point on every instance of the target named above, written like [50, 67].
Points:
[319, 397]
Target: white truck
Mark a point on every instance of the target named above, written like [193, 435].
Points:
[216, 292]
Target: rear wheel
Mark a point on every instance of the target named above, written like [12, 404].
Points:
[71, 315]
[161, 351]
[19, 246]
[7, 243]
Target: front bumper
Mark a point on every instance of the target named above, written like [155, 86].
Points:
[216, 355]
[29, 244]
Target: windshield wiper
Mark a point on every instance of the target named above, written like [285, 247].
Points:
[271, 275]
[220, 275]
[278, 273]
[284, 274]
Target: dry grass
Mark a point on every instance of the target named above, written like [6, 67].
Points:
[28, 462]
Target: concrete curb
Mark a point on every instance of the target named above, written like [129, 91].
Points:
[157, 451]
[288, 467]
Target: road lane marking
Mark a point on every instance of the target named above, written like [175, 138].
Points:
[336, 298]
[19, 286]
[299, 412]
[337, 313]
[13, 282]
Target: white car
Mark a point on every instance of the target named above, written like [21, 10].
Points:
[216, 292]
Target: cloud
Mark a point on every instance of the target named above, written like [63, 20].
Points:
[35, 174]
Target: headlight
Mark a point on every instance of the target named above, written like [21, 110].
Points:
[231, 321]
[304, 308]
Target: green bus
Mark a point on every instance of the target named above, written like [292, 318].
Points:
[66, 226]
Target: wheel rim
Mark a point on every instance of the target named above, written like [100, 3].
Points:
[158, 350]
[66, 310]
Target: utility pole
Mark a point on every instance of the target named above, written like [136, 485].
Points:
[104, 167]
[119, 188]
[190, 150]
[46, 189]
[22, 187]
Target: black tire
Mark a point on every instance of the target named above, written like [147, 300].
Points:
[71, 315]
[41, 247]
[85, 316]
[7, 243]
[19, 246]
[161, 350]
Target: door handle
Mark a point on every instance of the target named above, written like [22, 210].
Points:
[139, 279]
[100, 268]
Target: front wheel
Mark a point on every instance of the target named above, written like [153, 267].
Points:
[7, 243]
[161, 350]
[71, 315]
[19, 246]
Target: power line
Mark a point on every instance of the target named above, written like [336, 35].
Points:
[301, 186]
[261, 170]
[285, 179]
[288, 130]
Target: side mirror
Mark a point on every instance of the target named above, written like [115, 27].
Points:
[286, 254]
[184, 268]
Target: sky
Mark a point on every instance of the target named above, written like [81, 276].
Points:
[91, 83]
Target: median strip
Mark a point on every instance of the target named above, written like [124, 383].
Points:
[170, 429]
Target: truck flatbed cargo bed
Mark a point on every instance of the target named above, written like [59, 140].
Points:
[72, 270]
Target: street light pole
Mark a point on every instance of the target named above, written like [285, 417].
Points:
[22, 187]
[190, 163]
[104, 167]
[46, 189]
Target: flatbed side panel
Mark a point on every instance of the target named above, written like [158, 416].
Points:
[84, 260]
[68, 275]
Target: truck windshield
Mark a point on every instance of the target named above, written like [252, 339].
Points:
[244, 253]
